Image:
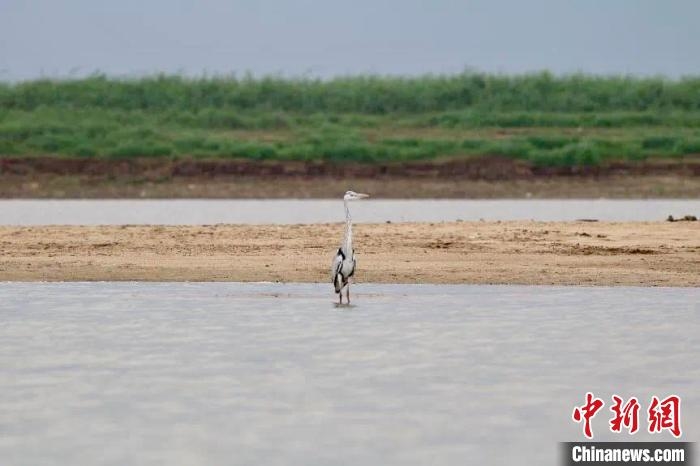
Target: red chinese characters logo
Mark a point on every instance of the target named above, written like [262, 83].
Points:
[665, 414]
[627, 415]
[662, 414]
[586, 412]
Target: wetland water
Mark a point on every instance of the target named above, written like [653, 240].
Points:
[197, 211]
[229, 373]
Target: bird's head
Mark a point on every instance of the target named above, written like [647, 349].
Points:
[353, 196]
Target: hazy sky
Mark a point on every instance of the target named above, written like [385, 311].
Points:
[331, 37]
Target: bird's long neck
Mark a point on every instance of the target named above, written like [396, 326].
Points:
[347, 240]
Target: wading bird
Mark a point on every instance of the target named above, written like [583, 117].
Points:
[344, 261]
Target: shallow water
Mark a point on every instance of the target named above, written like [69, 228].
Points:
[225, 373]
[197, 211]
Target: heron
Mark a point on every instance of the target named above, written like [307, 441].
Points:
[344, 261]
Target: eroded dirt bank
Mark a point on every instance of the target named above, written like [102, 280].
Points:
[474, 177]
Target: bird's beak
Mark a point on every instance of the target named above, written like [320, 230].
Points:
[362, 196]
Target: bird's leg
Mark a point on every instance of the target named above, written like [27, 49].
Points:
[340, 295]
[348, 292]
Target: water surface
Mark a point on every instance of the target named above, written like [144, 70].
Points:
[225, 373]
[198, 211]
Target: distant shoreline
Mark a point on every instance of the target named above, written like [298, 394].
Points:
[575, 121]
[535, 253]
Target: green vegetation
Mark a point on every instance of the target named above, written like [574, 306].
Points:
[547, 120]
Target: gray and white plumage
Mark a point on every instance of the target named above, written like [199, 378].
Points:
[344, 261]
[342, 269]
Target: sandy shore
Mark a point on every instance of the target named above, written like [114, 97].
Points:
[571, 253]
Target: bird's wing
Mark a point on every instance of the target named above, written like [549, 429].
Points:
[337, 265]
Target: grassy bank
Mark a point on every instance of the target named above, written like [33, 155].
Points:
[546, 120]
